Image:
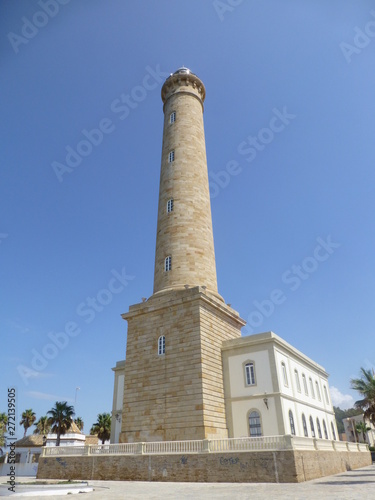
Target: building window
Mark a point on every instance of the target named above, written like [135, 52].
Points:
[161, 345]
[285, 375]
[319, 429]
[168, 263]
[254, 424]
[171, 156]
[312, 427]
[306, 434]
[305, 384]
[317, 390]
[172, 117]
[170, 206]
[326, 395]
[333, 431]
[250, 374]
[325, 429]
[297, 381]
[291, 420]
[312, 388]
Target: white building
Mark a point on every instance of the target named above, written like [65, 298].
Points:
[355, 437]
[271, 388]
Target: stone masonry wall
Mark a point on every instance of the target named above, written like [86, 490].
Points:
[185, 233]
[245, 467]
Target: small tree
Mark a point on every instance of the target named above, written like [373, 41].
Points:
[61, 418]
[42, 426]
[28, 418]
[79, 423]
[362, 428]
[102, 427]
[366, 387]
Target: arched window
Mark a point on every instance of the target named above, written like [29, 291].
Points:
[161, 345]
[317, 390]
[326, 395]
[306, 434]
[250, 373]
[318, 427]
[325, 429]
[312, 427]
[291, 420]
[333, 431]
[168, 263]
[285, 375]
[312, 388]
[171, 156]
[172, 117]
[254, 424]
[297, 381]
[305, 384]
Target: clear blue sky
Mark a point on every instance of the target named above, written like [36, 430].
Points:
[311, 179]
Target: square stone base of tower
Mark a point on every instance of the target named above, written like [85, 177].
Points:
[177, 395]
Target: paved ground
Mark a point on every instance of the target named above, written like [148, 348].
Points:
[354, 485]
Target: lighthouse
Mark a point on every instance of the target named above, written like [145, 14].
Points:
[184, 243]
[173, 388]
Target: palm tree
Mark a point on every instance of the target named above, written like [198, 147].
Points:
[3, 426]
[361, 427]
[79, 423]
[102, 427]
[42, 426]
[2, 437]
[366, 387]
[28, 418]
[61, 418]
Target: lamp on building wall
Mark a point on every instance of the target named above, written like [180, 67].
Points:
[265, 401]
[44, 440]
[118, 417]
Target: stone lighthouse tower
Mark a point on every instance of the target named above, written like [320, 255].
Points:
[173, 387]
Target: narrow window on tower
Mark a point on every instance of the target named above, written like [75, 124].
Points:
[170, 206]
[161, 345]
[168, 263]
[171, 156]
[172, 117]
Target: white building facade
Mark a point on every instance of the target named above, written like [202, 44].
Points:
[271, 389]
[357, 437]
